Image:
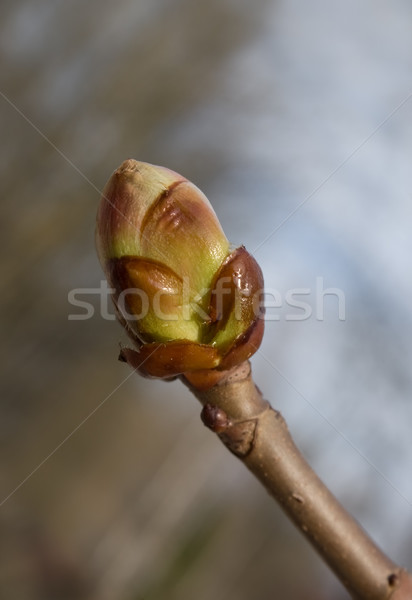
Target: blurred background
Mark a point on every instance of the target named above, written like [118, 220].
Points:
[295, 119]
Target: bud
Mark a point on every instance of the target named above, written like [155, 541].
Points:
[188, 302]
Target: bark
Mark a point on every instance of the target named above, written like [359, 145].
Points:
[258, 435]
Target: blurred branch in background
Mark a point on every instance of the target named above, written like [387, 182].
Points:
[257, 107]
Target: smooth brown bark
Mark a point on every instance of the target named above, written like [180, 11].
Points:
[259, 437]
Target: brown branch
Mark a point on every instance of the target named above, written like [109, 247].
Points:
[259, 437]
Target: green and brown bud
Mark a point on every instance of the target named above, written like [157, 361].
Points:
[189, 303]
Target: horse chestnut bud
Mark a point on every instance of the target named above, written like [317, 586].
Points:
[188, 301]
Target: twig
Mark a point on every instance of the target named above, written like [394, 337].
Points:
[258, 435]
[168, 234]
